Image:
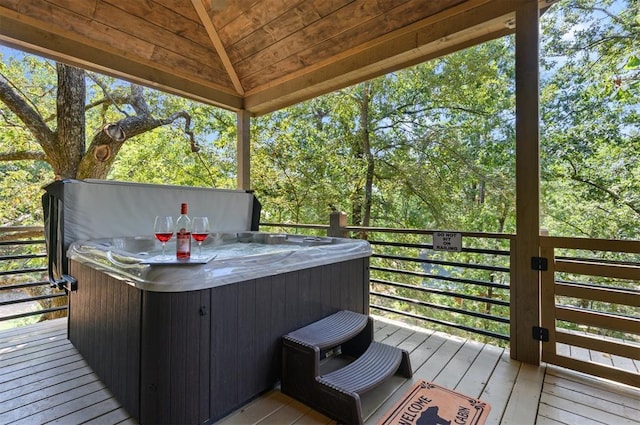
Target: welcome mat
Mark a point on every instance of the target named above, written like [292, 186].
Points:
[429, 404]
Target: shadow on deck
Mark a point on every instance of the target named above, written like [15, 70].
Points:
[43, 379]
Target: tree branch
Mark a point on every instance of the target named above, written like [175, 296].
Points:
[608, 191]
[112, 99]
[110, 96]
[27, 114]
[138, 102]
[22, 93]
[187, 127]
[23, 156]
[103, 149]
[609, 14]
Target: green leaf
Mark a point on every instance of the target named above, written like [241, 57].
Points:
[632, 63]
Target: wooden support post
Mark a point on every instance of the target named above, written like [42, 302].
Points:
[243, 128]
[525, 283]
[337, 224]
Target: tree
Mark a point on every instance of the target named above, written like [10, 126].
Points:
[426, 147]
[590, 115]
[65, 145]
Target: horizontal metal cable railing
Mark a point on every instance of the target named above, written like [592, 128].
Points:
[25, 292]
[457, 292]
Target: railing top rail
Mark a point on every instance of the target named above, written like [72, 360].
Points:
[430, 232]
[10, 229]
[629, 246]
[510, 236]
[20, 235]
[296, 225]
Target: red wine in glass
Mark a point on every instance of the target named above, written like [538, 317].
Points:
[163, 230]
[200, 231]
[164, 237]
[200, 237]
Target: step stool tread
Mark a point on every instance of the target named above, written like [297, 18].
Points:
[331, 331]
[379, 362]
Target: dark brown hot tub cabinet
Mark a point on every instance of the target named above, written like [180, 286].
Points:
[192, 357]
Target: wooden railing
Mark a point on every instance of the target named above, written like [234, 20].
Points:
[590, 291]
[25, 292]
[591, 302]
[465, 293]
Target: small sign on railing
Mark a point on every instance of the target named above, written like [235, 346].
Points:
[447, 241]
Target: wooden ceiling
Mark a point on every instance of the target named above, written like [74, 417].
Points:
[256, 55]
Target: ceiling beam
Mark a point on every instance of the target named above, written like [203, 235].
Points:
[198, 5]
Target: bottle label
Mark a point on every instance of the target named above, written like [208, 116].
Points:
[183, 244]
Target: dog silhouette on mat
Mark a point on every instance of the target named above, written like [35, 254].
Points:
[431, 417]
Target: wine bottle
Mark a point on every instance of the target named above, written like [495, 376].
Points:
[183, 234]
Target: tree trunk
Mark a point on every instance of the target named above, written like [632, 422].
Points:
[368, 156]
[70, 113]
[362, 197]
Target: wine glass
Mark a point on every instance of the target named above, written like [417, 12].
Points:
[163, 230]
[200, 231]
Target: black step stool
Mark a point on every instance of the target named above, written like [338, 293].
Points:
[337, 394]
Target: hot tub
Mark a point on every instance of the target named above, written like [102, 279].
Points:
[189, 342]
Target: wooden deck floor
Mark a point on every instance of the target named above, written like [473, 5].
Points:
[43, 379]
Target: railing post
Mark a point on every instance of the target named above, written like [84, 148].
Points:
[548, 298]
[525, 289]
[337, 225]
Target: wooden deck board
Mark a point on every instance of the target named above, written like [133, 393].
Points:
[525, 396]
[475, 380]
[75, 375]
[314, 418]
[586, 412]
[27, 400]
[116, 416]
[57, 406]
[44, 379]
[499, 386]
[546, 421]
[580, 398]
[458, 365]
[258, 409]
[17, 355]
[564, 417]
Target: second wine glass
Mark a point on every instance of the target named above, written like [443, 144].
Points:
[163, 230]
[200, 232]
